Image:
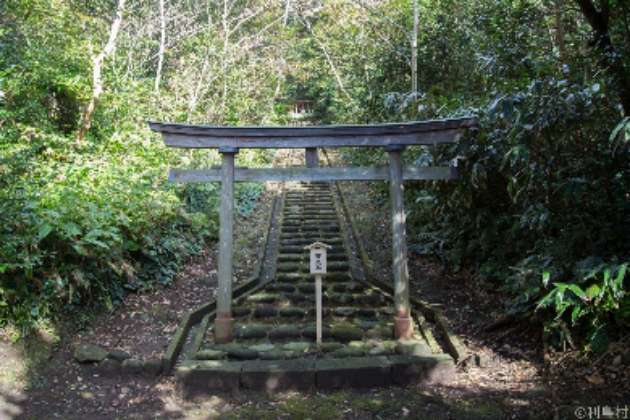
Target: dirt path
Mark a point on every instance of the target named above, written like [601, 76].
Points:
[505, 377]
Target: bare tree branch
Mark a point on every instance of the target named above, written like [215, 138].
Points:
[158, 74]
[97, 82]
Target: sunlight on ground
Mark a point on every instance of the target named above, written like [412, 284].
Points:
[17, 363]
[13, 371]
[9, 404]
[12, 366]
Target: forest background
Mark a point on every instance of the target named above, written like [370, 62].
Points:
[541, 210]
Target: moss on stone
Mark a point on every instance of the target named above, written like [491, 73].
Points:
[382, 331]
[348, 286]
[371, 298]
[311, 332]
[263, 348]
[292, 312]
[264, 298]
[359, 344]
[338, 266]
[288, 354]
[308, 288]
[249, 331]
[285, 331]
[345, 311]
[367, 312]
[291, 277]
[386, 311]
[271, 355]
[346, 332]
[227, 347]
[290, 257]
[379, 350]
[330, 347]
[243, 353]
[340, 276]
[296, 297]
[241, 311]
[290, 249]
[289, 267]
[210, 355]
[412, 348]
[339, 298]
[266, 311]
[297, 346]
[347, 352]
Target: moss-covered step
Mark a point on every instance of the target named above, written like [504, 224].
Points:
[273, 375]
[355, 372]
[265, 297]
[285, 332]
[346, 332]
[291, 278]
[281, 287]
[290, 267]
[251, 330]
[292, 257]
[204, 376]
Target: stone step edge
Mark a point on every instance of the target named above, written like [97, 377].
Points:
[199, 377]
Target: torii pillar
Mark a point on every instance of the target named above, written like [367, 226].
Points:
[403, 325]
[224, 322]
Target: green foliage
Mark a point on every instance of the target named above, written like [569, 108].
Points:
[543, 187]
[85, 225]
[597, 301]
[543, 183]
[81, 227]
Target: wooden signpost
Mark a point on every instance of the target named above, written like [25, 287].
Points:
[393, 137]
[318, 268]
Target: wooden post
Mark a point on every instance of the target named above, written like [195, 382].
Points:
[403, 325]
[318, 309]
[224, 323]
[311, 157]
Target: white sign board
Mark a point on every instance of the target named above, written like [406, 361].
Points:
[318, 261]
[318, 267]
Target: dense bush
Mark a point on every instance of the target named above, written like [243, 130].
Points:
[83, 223]
[89, 225]
[542, 203]
[86, 225]
[541, 207]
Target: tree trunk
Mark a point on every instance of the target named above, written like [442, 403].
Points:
[158, 73]
[414, 48]
[224, 61]
[559, 32]
[609, 59]
[97, 82]
[329, 59]
[287, 9]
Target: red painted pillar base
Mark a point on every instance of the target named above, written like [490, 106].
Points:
[403, 327]
[223, 328]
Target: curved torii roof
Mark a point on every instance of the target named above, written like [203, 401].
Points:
[369, 135]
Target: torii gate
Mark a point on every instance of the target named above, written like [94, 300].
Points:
[393, 137]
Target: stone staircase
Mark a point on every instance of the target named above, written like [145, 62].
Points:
[274, 346]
